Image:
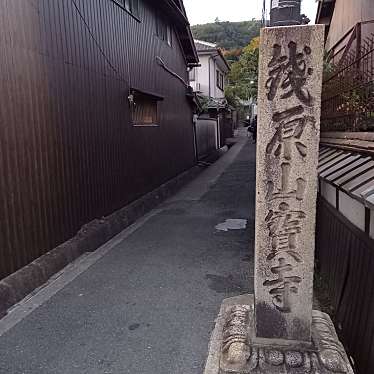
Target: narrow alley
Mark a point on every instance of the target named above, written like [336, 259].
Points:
[146, 302]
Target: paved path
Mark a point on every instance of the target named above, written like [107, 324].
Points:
[148, 305]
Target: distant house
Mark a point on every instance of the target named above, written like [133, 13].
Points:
[95, 112]
[216, 122]
[209, 79]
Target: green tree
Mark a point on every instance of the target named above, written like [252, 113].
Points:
[227, 35]
[244, 74]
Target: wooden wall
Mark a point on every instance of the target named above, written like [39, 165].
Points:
[68, 153]
[346, 14]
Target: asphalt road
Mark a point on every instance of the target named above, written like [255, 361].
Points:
[148, 305]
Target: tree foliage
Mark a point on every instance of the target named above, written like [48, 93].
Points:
[244, 74]
[228, 35]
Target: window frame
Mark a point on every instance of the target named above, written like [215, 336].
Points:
[145, 95]
[192, 75]
[219, 80]
[166, 34]
[169, 35]
[131, 7]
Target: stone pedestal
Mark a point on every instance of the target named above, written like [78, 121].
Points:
[233, 348]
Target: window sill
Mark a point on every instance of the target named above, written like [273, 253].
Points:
[128, 12]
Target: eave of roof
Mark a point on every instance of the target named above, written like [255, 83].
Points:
[203, 46]
[211, 51]
[320, 8]
[347, 170]
[318, 15]
[175, 10]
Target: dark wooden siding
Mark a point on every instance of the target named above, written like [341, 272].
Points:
[68, 153]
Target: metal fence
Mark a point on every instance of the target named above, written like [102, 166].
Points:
[345, 260]
[348, 86]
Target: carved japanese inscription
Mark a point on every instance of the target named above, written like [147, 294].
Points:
[288, 77]
[289, 72]
[288, 137]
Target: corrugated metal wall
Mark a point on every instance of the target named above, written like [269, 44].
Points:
[68, 153]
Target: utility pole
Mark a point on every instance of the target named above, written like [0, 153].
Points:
[285, 12]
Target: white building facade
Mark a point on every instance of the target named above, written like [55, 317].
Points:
[209, 79]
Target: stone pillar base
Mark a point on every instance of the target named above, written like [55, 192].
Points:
[233, 349]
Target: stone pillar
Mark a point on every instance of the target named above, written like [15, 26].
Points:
[276, 331]
[289, 98]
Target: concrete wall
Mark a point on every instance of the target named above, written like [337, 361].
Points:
[201, 82]
[347, 13]
[352, 209]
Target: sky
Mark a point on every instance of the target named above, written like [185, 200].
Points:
[205, 11]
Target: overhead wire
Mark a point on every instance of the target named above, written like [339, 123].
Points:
[107, 59]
